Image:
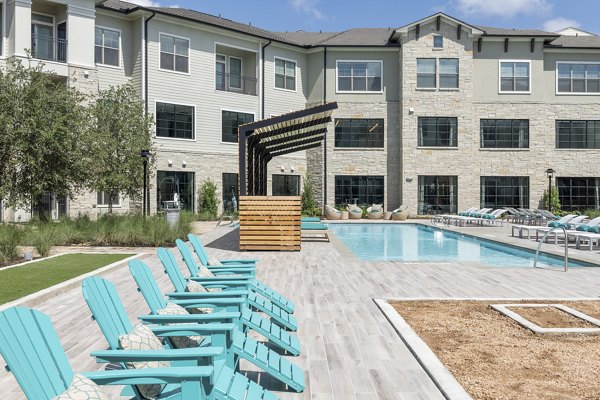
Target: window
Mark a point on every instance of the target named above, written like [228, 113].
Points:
[515, 76]
[579, 193]
[235, 73]
[174, 53]
[42, 37]
[230, 192]
[175, 189]
[438, 42]
[1, 51]
[107, 47]
[230, 121]
[504, 191]
[359, 76]
[359, 133]
[174, 121]
[426, 73]
[285, 74]
[438, 195]
[577, 134]
[504, 133]
[448, 73]
[286, 185]
[221, 72]
[362, 190]
[438, 131]
[578, 78]
[104, 197]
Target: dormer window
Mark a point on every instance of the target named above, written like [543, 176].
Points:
[438, 42]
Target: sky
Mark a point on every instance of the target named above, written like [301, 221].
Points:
[337, 15]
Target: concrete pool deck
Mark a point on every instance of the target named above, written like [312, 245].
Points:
[349, 349]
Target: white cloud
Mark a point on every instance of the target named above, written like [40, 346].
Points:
[309, 7]
[145, 3]
[503, 8]
[556, 24]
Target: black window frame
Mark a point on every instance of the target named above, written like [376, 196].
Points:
[565, 140]
[491, 138]
[504, 191]
[229, 205]
[229, 132]
[359, 133]
[437, 203]
[371, 186]
[290, 185]
[583, 195]
[439, 141]
[173, 123]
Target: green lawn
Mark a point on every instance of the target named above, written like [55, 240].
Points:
[20, 281]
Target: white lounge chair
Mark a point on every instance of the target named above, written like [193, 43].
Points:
[530, 228]
[570, 224]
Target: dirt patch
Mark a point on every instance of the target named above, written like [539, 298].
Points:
[551, 317]
[493, 357]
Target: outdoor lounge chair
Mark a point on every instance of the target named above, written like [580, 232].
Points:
[530, 228]
[245, 320]
[32, 351]
[354, 211]
[573, 231]
[314, 230]
[375, 211]
[107, 309]
[275, 313]
[400, 213]
[255, 285]
[332, 214]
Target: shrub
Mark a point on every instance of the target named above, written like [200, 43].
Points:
[43, 238]
[10, 238]
[208, 199]
[309, 204]
[554, 200]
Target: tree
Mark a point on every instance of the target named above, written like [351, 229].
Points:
[208, 199]
[121, 128]
[43, 136]
[309, 204]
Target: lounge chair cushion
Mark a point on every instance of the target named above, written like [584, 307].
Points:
[195, 287]
[556, 224]
[142, 338]
[584, 228]
[82, 388]
[181, 342]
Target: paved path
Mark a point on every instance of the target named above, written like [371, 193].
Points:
[350, 352]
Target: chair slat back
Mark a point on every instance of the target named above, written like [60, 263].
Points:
[199, 249]
[147, 285]
[107, 308]
[29, 344]
[172, 269]
[188, 257]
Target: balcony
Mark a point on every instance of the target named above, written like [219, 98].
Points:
[48, 48]
[236, 83]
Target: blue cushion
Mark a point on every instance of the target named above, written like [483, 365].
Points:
[583, 228]
[556, 224]
[313, 226]
[595, 229]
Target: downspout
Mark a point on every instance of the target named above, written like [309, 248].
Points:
[325, 137]
[146, 59]
[262, 80]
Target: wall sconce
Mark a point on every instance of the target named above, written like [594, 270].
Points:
[86, 74]
[292, 168]
[409, 179]
[411, 111]
[170, 162]
[282, 168]
[183, 163]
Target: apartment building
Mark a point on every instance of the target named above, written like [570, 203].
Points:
[438, 114]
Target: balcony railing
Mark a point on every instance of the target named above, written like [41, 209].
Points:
[48, 48]
[236, 83]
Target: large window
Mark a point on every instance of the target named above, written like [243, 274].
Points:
[504, 133]
[230, 192]
[174, 121]
[104, 198]
[230, 122]
[285, 74]
[174, 53]
[286, 185]
[359, 76]
[426, 71]
[437, 195]
[358, 132]
[1, 49]
[577, 134]
[107, 46]
[362, 190]
[578, 78]
[515, 76]
[438, 131]
[175, 189]
[448, 73]
[505, 191]
[579, 193]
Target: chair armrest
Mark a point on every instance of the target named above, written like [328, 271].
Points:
[199, 303]
[219, 281]
[239, 261]
[232, 294]
[149, 375]
[192, 318]
[193, 353]
[232, 269]
[189, 329]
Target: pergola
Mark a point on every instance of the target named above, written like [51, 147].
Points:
[260, 141]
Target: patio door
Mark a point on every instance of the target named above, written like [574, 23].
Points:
[42, 36]
[61, 42]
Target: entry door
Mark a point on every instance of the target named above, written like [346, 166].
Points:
[42, 41]
[61, 43]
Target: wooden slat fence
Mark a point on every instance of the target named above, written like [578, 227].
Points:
[270, 223]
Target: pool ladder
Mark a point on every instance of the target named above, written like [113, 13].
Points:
[537, 253]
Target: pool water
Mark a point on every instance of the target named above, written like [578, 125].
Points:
[420, 243]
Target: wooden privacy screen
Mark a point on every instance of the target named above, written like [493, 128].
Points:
[270, 223]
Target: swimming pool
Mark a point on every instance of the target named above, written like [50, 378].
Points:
[420, 243]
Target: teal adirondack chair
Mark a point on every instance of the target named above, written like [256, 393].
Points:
[241, 345]
[254, 284]
[107, 309]
[259, 303]
[30, 346]
[203, 256]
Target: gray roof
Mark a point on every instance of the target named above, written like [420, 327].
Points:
[351, 37]
[581, 42]
[515, 32]
[308, 38]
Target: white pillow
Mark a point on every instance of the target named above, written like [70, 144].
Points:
[142, 338]
[180, 342]
[82, 388]
[195, 287]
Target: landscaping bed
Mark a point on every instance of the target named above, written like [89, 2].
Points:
[493, 357]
